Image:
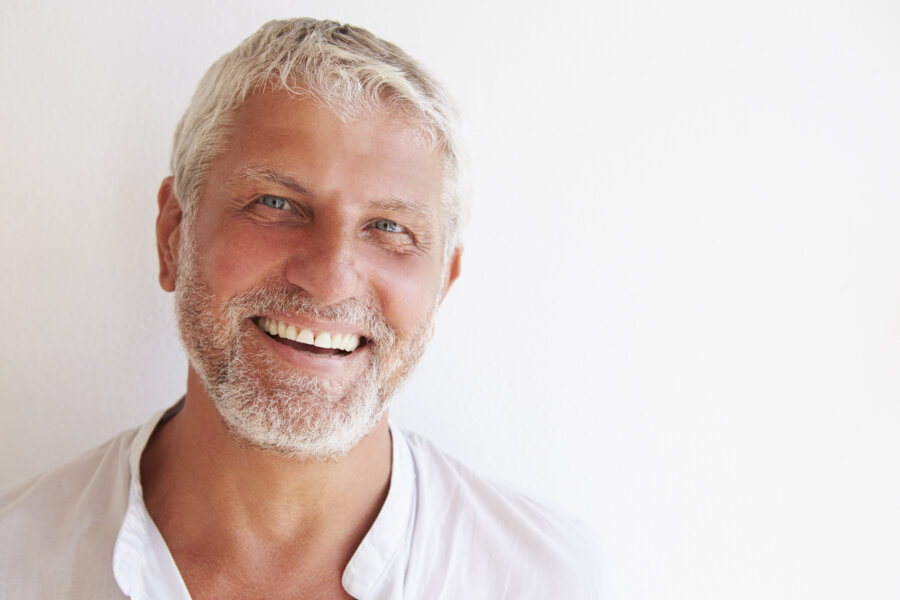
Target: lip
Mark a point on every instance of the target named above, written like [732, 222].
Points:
[302, 360]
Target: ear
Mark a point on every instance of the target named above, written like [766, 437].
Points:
[168, 233]
[452, 271]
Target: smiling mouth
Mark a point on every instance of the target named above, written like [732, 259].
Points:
[324, 342]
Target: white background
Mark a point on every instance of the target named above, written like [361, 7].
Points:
[679, 315]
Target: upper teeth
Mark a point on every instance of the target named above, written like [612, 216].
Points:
[339, 341]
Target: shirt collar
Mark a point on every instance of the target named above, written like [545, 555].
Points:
[379, 562]
[142, 564]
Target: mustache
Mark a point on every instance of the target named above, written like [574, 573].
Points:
[276, 296]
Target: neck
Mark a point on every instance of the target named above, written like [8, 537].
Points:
[204, 487]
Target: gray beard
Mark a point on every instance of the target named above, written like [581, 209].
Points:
[269, 407]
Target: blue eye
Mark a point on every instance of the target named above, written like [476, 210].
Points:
[275, 202]
[387, 225]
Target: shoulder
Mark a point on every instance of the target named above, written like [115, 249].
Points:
[502, 537]
[63, 487]
[65, 520]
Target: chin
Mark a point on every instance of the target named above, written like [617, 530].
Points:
[294, 414]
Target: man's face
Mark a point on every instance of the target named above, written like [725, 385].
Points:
[308, 279]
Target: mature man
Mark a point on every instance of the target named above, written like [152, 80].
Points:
[309, 231]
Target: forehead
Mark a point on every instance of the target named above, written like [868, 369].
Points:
[376, 156]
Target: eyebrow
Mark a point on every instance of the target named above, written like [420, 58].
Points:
[265, 174]
[395, 204]
[400, 205]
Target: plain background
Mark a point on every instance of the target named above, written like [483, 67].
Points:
[679, 314]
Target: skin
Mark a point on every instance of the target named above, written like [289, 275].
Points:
[247, 523]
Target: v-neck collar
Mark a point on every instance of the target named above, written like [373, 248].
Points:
[144, 567]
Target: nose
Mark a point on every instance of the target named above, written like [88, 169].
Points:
[325, 264]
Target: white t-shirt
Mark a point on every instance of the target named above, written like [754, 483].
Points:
[83, 532]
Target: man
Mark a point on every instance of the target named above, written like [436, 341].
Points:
[309, 231]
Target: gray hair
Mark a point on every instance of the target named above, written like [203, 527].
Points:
[345, 68]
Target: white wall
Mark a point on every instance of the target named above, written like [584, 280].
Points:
[679, 315]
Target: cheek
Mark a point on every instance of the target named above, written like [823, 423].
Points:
[407, 292]
[234, 261]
